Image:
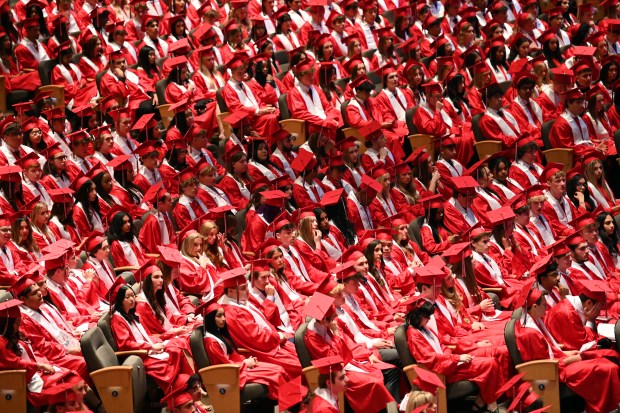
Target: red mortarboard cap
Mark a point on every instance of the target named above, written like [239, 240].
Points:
[20, 285]
[551, 169]
[464, 184]
[290, 393]
[237, 4]
[429, 380]
[258, 183]
[332, 197]
[208, 307]
[480, 67]
[178, 62]
[527, 294]
[233, 278]
[582, 220]
[145, 122]
[345, 271]
[236, 118]
[267, 246]
[154, 192]
[79, 180]
[414, 302]
[30, 22]
[328, 365]
[432, 87]
[28, 160]
[10, 308]
[304, 65]
[304, 162]
[78, 136]
[145, 270]
[170, 256]
[177, 397]
[93, 240]
[455, 252]
[360, 80]
[498, 216]
[429, 275]
[120, 162]
[238, 60]
[261, 265]
[187, 174]
[327, 285]
[274, 198]
[146, 148]
[432, 201]
[369, 184]
[370, 131]
[319, 306]
[593, 290]
[11, 173]
[147, 18]
[540, 265]
[61, 195]
[574, 239]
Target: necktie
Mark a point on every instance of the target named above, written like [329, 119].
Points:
[310, 93]
[528, 105]
[576, 119]
[70, 296]
[16, 154]
[160, 50]
[3, 248]
[508, 122]
[455, 20]
[398, 100]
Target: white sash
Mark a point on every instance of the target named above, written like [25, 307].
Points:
[355, 307]
[398, 104]
[363, 211]
[287, 166]
[527, 321]
[220, 342]
[564, 215]
[264, 170]
[300, 270]
[245, 192]
[286, 321]
[465, 291]
[535, 108]
[332, 248]
[172, 303]
[502, 122]
[105, 274]
[7, 259]
[308, 187]
[445, 311]
[314, 105]
[54, 287]
[258, 317]
[432, 339]
[246, 97]
[185, 201]
[543, 229]
[581, 136]
[491, 200]
[530, 240]
[456, 170]
[36, 49]
[286, 43]
[218, 196]
[505, 190]
[491, 267]
[164, 46]
[468, 214]
[600, 131]
[163, 228]
[526, 169]
[128, 251]
[43, 320]
[354, 102]
[67, 75]
[598, 196]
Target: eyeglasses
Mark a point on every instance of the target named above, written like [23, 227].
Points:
[60, 158]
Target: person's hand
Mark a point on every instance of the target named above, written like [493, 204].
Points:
[250, 362]
[155, 100]
[385, 125]
[563, 290]
[593, 312]
[158, 348]
[266, 110]
[477, 326]
[391, 331]
[118, 72]
[438, 106]
[382, 344]
[383, 152]
[373, 359]
[506, 243]
[73, 350]
[602, 147]
[453, 239]
[220, 240]
[483, 343]
[579, 196]
[465, 358]
[317, 238]
[270, 290]
[435, 175]
[90, 274]
[46, 368]
[486, 304]
[399, 317]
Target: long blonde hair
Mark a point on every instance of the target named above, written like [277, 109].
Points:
[188, 243]
[211, 251]
[419, 398]
[305, 231]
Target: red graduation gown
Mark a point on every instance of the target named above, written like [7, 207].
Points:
[263, 343]
[162, 371]
[264, 125]
[264, 373]
[579, 376]
[565, 325]
[365, 392]
[11, 361]
[485, 372]
[150, 234]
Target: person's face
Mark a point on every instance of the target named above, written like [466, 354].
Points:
[564, 262]
[557, 186]
[208, 61]
[581, 253]
[209, 179]
[612, 73]
[600, 102]
[386, 249]
[150, 160]
[241, 13]
[498, 32]
[539, 310]
[92, 194]
[212, 236]
[33, 32]
[34, 299]
[495, 102]
[580, 185]
[179, 28]
[392, 81]
[277, 260]
[307, 78]
[584, 79]
[191, 189]
[318, 14]
[501, 172]
[529, 156]
[448, 151]
[536, 207]
[338, 26]
[328, 50]
[469, 34]
[261, 280]
[120, 64]
[551, 280]
[23, 230]
[313, 223]
[485, 78]
[524, 49]
[352, 285]
[158, 280]
[466, 200]
[352, 154]
[129, 301]
[482, 245]
[152, 29]
[285, 237]
[179, 5]
[14, 139]
[523, 218]
[324, 221]
[103, 252]
[107, 183]
[126, 224]
[41, 218]
[609, 225]
[590, 233]
[239, 72]
[262, 152]
[220, 318]
[33, 172]
[378, 252]
[339, 384]
[354, 47]
[439, 215]
[385, 182]
[295, 4]
[260, 31]
[196, 389]
[242, 292]
[241, 166]
[485, 177]
[361, 265]
[381, 141]
[196, 247]
[124, 123]
[35, 136]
